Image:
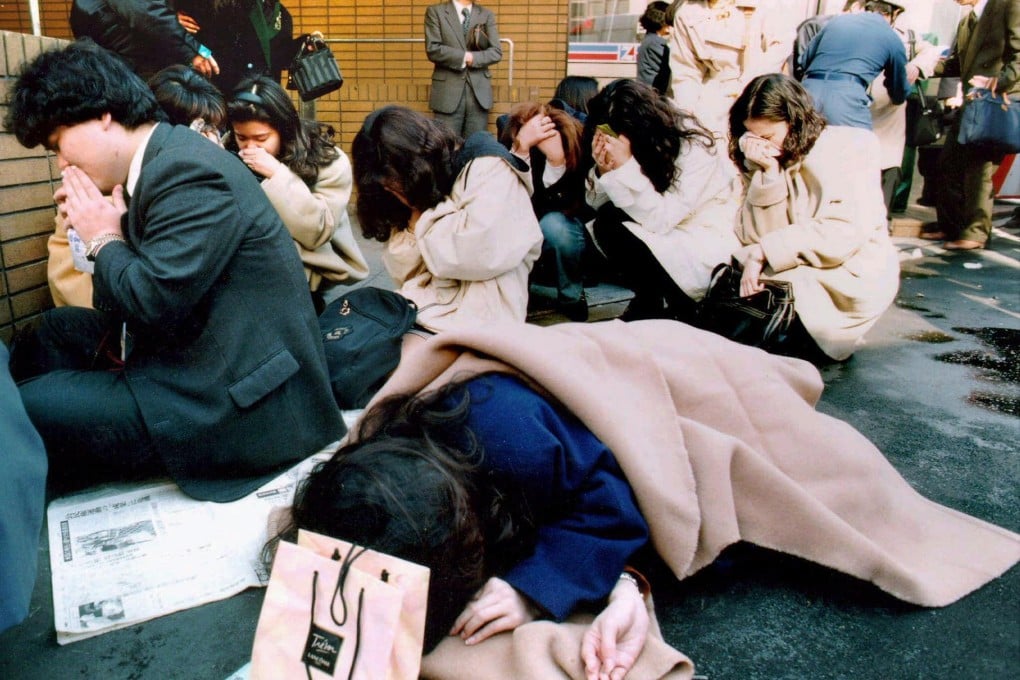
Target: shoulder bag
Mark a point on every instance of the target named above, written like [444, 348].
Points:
[362, 332]
[924, 118]
[760, 320]
[314, 71]
[991, 121]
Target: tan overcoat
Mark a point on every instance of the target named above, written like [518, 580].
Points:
[721, 443]
[822, 226]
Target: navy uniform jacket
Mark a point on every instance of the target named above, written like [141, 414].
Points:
[842, 60]
[587, 522]
[226, 365]
[445, 46]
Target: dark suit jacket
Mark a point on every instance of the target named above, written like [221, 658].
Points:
[992, 50]
[226, 365]
[445, 46]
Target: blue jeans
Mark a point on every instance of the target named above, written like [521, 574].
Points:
[557, 274]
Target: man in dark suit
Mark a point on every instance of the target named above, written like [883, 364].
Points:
[461, 41]
[985, 53]
[202, 358]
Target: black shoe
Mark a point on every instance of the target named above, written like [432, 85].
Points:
[575, 311]
[642, 307]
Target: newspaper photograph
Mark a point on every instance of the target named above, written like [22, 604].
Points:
[123, 554]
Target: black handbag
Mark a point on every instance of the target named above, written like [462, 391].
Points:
[924, 119]
[314, 71]
[760, 320]
[991, 122]
[362, 332]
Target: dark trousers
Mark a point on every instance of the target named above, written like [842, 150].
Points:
[654, 289]
[964, 200]
[77, 397]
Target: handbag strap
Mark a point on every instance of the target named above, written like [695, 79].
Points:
[361, 608]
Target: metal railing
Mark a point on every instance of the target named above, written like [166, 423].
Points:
[508, 41]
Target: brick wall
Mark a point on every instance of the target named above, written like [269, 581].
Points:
[377, 74]
[27, 183]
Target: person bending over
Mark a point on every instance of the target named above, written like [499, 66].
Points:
[550, 140]
[461, 236]
[813, 215]
[163, 376]
[306, 177]
[503, 496]
[665, 194]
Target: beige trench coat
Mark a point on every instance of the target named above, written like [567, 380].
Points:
[317, 220]
[822, 226]
[469, 257]
[710, 466]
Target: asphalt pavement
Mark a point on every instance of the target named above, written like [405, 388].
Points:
[935, 387]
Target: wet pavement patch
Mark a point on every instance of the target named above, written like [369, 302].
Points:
[999, 364]
[931, 337]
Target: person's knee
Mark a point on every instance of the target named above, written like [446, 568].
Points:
[563, 234]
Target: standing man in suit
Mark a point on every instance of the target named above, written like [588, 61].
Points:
[202, 358]
[462, 42]
[985, 53]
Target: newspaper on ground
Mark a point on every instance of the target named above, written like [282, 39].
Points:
[123, 554]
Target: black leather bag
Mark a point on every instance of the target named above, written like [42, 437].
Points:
[760, 320]
[924, 119]
[314, 71]
[362, 332]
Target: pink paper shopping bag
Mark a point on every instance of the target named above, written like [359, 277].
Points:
[413, 582]
[324, 618]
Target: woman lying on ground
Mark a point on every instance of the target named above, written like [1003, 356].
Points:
[813, 215]
[456, 217]
[501, 494]
[532, 487]
[665, 195]
[306, 177]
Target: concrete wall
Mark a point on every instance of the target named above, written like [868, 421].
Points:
[28, 179]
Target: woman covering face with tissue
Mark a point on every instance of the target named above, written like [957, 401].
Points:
[813, 215]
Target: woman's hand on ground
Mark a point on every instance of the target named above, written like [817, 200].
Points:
[495, 608]
[614, 641]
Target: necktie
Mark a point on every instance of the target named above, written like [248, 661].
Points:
[966, 29]
[466, 13]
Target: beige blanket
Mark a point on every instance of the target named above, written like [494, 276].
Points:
[721, 443]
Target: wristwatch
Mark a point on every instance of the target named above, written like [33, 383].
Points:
[96, 244]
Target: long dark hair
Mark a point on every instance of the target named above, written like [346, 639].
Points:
[778, 98]
[305, 145]
[409, 486]
[658, 131]
[403, 150]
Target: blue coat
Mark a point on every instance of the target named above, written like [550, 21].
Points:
[22, 490]
[842, 60]
[587, 522]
